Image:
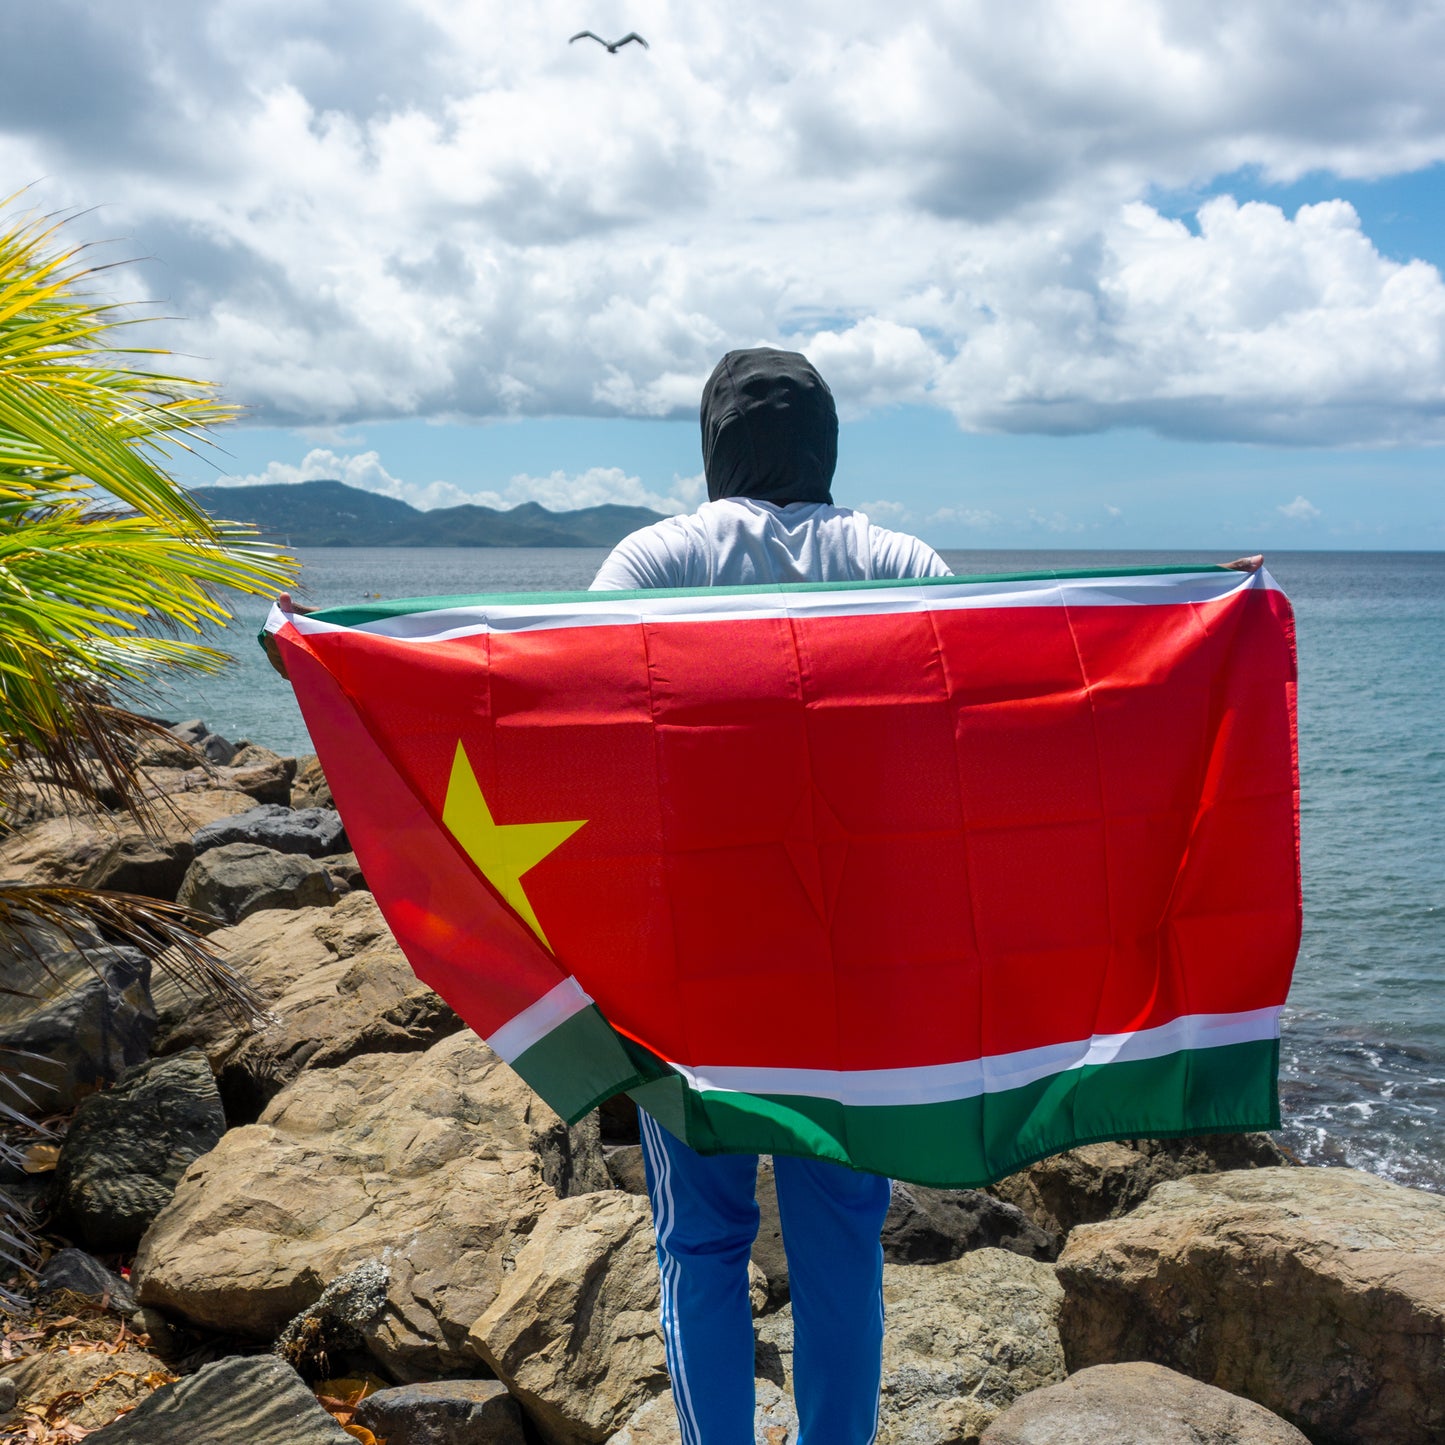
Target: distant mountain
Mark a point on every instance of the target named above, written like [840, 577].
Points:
[331, 514]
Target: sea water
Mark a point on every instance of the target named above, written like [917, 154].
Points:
[1363, 1058]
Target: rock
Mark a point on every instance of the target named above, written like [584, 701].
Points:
[268, 781]
[331, 1327]
[626, 1169]
[88, 1388]
[437, 1163]
[1137, 1405]
[115, 851]
[194, 733]
[1103, 1181]
[963, 1340]
[1318, 1293]
[76, 1272]
[9, 1394]
[238, 879]
[573, 1331]
[775, 1421]
[89, 1036]
[259, 1400]
[309, 789]
[252, 755]
[336, 985]
[927, 1226]
[127, 1148]
[768, 1255]
[445, 1412]
[312, 831]
[344, 867]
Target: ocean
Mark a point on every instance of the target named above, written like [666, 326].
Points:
[1363, 1058]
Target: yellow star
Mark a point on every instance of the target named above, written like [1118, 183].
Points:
[503, 851]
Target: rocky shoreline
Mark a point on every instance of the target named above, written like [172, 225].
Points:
[352, 1222]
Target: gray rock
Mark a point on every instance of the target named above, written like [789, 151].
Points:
[446, 1412]
[1318, 1293]
[331, 1327]
[1137, 1404]
[237, 879]
[312, 831]
[127, 1148]
[76, 1272]
[926, 1226]
[345, 867]
[626, 1169]
[260, 1400]
[9, 1394]
[88, 1037]
[196, 734]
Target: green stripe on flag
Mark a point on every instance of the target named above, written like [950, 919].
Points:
[354, 616]
[580, 1063]
[959, 1144]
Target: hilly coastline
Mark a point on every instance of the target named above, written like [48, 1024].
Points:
[331, 514]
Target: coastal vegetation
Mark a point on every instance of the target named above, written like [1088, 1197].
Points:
[110, 576]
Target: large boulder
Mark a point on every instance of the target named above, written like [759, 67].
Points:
[87, 1388]
[62, 1048]
[1103, 1181]
[335, 985]
[573, 1332]
[127, 1148]
[439, 1164]
[443, 1412]
[1318, 1293]
[312, 831]
[233, 881]
[257, 1399]
[962, 1341]
[115, 851]
[194, 734]
[1137, 1404]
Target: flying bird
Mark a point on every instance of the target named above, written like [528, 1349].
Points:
[616, 45]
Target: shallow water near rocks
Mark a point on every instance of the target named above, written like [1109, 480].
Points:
[1363, 1059]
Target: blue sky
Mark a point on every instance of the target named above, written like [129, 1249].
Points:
[1129, 274]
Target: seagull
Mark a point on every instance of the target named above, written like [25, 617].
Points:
[616, 45]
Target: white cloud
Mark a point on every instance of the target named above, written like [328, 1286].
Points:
[886, 513]
[1300, 510]
[424, 207]
[563, 491]
[363, 469]
[977, 518]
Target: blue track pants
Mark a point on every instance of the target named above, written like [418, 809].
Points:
[706, 1218]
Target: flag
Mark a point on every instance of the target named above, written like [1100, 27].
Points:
[932, 877]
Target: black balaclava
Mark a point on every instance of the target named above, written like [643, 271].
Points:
[769, 428]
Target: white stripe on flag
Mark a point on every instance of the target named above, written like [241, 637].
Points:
[942, 1083]
[602, 609]
[538, 1019]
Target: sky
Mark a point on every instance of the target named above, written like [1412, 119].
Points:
[1122, 273]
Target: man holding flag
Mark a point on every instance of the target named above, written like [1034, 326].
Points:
[769, 444]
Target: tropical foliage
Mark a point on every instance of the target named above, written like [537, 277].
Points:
[110, 574]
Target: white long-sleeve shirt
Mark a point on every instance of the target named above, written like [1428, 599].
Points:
[737, 542]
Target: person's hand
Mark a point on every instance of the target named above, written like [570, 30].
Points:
[273, 653]
[1245, 564]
